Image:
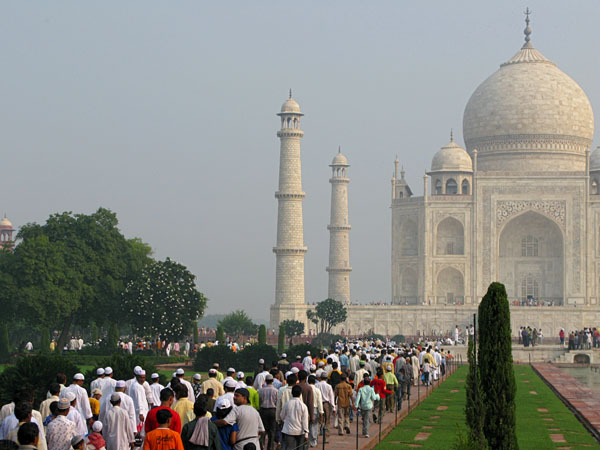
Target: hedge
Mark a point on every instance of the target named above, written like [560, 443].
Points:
[246, 360]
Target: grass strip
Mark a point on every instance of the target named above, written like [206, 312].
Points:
[533, 427]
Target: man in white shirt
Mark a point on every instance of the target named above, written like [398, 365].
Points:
[247, 418]
[138, 395]
[307, 361]
[155, 388]
[126, 404]
[179, 373]
[328, 400]
[74, 415]
[108, 383]
[83, 402]
[295, 420]
[118, 431]
[98, 382]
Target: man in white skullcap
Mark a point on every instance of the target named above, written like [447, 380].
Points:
[126, 404]
[98, 382]
[307, 361]
[230, 375]
[180, 373]
[155, 387]
[74, 415]
[229, 387]
[196, 384]
[240, 381]
[83, 404]
[118, 433]
[61, 430]
[108, 383]
[148, 392]
[138, 395]
[259, 380]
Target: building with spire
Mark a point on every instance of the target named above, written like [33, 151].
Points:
[519, 203]
[339, 230]
[6, 234]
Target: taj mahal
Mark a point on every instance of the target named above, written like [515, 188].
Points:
[519, 204]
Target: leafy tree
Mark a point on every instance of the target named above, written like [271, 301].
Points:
[238, 323]
[94, 333]
[163, 300]
[474, 409]
[495, 369]
[72, 269]
[327, 314]
[281, 338]
[220, 335]
[262, 334]
[293, 328]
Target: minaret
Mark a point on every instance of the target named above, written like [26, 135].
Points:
[290, 249]
[339, 248]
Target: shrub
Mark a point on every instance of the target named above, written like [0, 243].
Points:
[301, 350]
[217, 353]
[36, 373]
[325, 340]
[247, 359]
[113, 338]
[399, 339]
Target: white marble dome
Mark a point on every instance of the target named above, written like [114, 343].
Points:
[529, 115]
[452, 158]
[290, 106]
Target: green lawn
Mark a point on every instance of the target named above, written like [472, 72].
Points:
[533, 427]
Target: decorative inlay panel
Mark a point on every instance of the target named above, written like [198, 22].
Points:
[554, 209]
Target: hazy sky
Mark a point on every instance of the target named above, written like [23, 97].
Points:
[164, 112]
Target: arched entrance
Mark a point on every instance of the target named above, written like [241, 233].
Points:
[409, 287]
[531, 259]
[450, 286]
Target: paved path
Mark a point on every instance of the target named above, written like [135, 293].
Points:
[348, 441]
[585, 400]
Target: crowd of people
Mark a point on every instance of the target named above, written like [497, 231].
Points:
[283, 405]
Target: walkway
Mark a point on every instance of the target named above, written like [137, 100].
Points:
[578, 397]
[390, 420]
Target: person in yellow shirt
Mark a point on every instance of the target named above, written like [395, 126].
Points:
[95, 403]
[391, 384]
[184, 407]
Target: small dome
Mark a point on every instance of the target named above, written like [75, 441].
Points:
[290, 106]
[452, 158]
[5, 223]
[595, 159]
[339, 160]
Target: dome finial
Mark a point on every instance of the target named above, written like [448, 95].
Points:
[290, 92]
[451, 135]
[339, 149]
[527, 29]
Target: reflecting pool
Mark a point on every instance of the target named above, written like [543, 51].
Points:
[585, 375]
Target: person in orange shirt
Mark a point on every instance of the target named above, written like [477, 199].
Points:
[163, 438]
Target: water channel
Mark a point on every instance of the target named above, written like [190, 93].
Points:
[585, 375]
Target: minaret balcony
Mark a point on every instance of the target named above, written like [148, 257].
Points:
[290, 195]
[339, 227]
[290, 132]
[290, 250]
[339, 269]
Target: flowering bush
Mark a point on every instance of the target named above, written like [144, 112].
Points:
[163, 301]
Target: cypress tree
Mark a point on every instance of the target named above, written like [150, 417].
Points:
[262, 334]
[94, 333]
[281, 339]
[220, 335]
[474, 411]
[44, 340]
[496, 374]
[196, 336]
[4, 343]
[113, 337]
